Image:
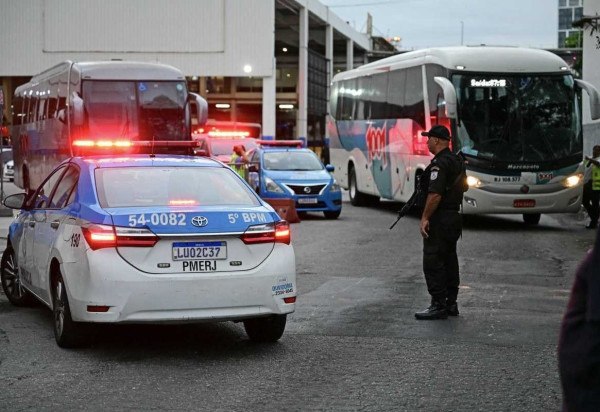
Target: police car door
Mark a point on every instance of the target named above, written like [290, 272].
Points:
[36, 220]
[48, 233]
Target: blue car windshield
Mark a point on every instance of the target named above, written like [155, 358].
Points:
[292, 161]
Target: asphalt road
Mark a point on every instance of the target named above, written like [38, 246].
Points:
[353, 343]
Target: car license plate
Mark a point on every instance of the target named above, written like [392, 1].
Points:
[199, 250]
[524, 203]
[307, 200]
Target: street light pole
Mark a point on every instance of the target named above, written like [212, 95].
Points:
[462, 32]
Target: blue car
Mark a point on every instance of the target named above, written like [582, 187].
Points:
[147, 238]
[281, 169]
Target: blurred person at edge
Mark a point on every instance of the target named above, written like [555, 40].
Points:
[591, 187]
[239, 160]
[579, 341]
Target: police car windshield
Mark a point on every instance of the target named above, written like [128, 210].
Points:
[291, 160]
[171, 186]
[524, 118]
[134, 110]
[225, 146]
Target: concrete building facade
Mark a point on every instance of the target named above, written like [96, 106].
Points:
[262, 61]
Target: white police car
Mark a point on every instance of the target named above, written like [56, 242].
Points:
[149, 239]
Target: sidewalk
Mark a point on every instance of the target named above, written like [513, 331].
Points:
[5, 222]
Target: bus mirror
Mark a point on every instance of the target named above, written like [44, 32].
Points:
[201, 108]
[594, 98]
[449, 96]
[61, 116]
[77, 108]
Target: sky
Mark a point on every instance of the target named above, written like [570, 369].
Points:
[431, 23]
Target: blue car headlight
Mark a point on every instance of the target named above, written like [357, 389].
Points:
[334, 186]
[271, 186]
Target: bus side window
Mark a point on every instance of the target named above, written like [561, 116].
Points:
[378, 97]
[414, 105]
[395, 93]
[17, 110]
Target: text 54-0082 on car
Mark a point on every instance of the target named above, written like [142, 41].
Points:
[150, 239]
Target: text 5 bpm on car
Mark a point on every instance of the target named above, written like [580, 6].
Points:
[149, 239]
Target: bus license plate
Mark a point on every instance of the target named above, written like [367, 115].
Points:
[199, 250]
[307, 201]
[524, 203]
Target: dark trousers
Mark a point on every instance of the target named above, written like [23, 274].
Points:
[591, 201]
[440, 262]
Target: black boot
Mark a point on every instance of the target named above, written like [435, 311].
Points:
[437, 310]
[452, 308]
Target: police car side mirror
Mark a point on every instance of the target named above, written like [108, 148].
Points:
[253, 168]
[330, 168]
[16, 201]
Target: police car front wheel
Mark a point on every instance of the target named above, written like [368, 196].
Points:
[68, 334]
[268, 329]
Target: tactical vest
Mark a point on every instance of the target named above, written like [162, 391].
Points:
[239, 168]
[595, 177]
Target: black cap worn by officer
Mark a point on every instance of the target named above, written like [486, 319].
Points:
[441, 225]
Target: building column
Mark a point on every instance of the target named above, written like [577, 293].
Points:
[349, 54]
[329, 57]
[302, 112]
[268, 105]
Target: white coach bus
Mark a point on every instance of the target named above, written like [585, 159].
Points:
[100, 107]
[514, 113]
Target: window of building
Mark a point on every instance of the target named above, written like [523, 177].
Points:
[561, 38]
[574, 2]
[218, 85]
[578, 13]
[565, 19]
[562, 3]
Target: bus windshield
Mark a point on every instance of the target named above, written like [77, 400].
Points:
[147, 110]
[522, 118]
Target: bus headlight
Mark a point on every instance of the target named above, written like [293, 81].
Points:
[472, 181]
[572, 180]
[272, 186]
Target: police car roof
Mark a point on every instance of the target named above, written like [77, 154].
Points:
[284, 149]
[146, 160]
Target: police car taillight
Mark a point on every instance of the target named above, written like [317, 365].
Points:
[103, 236]
[268, 233]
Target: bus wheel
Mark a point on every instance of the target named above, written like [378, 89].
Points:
[356, 198]
[532, 218]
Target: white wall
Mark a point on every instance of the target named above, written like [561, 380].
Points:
[200, 37]
[590, 73]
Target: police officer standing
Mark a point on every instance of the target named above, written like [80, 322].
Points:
[591, 187]
[441, 224]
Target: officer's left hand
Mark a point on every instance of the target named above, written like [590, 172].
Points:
[424, 228]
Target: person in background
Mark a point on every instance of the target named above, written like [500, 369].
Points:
[591, 187]
[239, 160]
[579, 341]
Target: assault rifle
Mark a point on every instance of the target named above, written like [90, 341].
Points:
[407, 207]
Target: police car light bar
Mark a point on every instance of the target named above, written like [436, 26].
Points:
[126, 143]
[280, 143]
[226, 133]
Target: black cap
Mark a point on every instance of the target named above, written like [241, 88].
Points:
[437, 131]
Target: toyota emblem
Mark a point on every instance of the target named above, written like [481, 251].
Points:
[199, 221]
[306, 189]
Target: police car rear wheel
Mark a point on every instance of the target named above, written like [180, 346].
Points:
[11, 280]
[532, 218]
[268, 329]
[68, 334]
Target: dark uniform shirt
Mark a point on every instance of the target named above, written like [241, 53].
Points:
[444, 170]
[579, 343]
